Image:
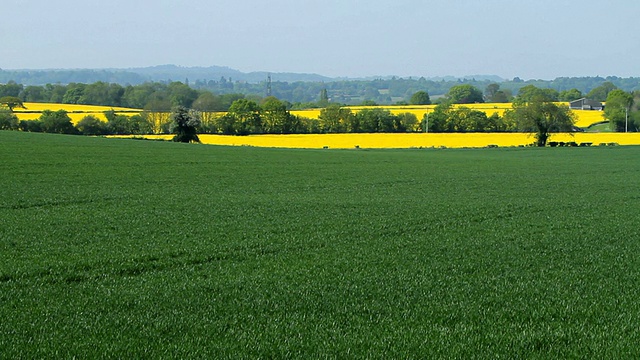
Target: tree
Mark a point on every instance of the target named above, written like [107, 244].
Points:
[91, 125]
[276, 119]
[57, 122]
[502, 96]
[10, 89]
[368, 103]
[493, 94]
[420, 98]
[437, 120]
[324, 98]
[334, 119]
[208, 104]
[138, 125]
[30, 125]
[11, 102]
[406, 122]
[601, 92]
[530, 92]
[490, 91]
[465, 119]
[617, 109]
[464, 94]
[74, 93]
[33, 94]
[184, 124]
[570, 95]
[116, 124]
[542, 117]
[181, 94]
[157, 112]
[243, 118]
[55, 93]
[273, 114]
[376, 120]
[8, 120]
[101, 93]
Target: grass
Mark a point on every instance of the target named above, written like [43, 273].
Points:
[604, 126]
[122, 248]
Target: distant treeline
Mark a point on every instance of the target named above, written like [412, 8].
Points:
[271, 115]
[219, 95]
[246, 117]
[153, 96]
[399, 90]
[134, 88]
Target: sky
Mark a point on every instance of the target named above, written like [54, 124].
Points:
[541, 39]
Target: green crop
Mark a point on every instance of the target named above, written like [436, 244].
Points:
[142, 249]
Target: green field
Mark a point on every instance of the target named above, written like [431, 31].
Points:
[142, 249]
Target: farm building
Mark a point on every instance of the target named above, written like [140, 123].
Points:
[586, 104]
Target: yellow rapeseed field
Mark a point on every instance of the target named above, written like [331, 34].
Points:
[584, 118]
[72, 107]
[407, 140]
[75, 112]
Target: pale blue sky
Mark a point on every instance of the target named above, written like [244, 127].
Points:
[529, 39]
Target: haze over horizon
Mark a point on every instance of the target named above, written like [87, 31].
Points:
[531, 40]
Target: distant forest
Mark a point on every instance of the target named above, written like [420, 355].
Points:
[158, 87]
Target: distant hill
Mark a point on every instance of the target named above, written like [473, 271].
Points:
[134, 76]
[166, 73]
[179, 73]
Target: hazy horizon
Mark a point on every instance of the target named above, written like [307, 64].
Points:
[530, 40]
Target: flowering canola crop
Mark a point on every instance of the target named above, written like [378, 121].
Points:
[584, 118]
[407, 140]
[76, 112]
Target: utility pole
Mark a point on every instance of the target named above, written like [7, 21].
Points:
[626, 119]
[426, 128]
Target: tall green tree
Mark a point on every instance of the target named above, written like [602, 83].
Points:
[276, 119]
[437, 120]
[335, 119]
[181, 94]
[184, 124]
[618, 108]
[30, 125]
[570, 95]
[324, 98]
[493, 94]
[74, 93]
[117, 124]
[11, 102]
[243, 118]
[601, 92]
[34, 93]
[490, 91]
[8, 120]
[406, 122]
[531, 93]
[57, 122]
[11, 88]
[465, 94]
[91, 125]
[542, 118]
[420, 98]
[376, 120]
